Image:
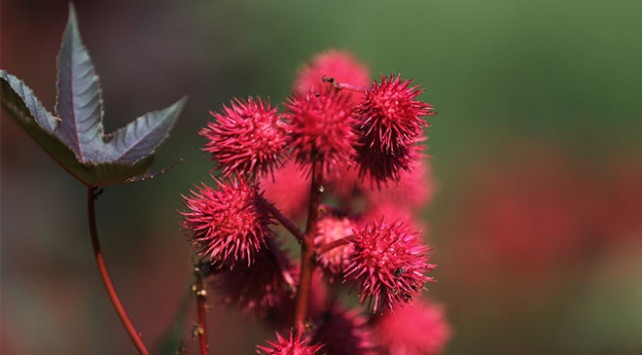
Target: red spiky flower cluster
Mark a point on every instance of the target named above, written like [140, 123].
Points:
[341, 157]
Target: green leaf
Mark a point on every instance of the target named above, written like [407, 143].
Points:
[75, 138]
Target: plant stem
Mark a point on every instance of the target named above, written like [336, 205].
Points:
[307, 249]
[201, 294]
[102, 269]
[285, 222]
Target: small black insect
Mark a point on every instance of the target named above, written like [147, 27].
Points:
[399, 271]
[97, 192]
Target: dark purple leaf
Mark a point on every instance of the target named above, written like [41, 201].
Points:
[76, 138]
[79, 104]
[140, 137]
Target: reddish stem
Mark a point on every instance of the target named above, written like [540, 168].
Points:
[285, 222]
[307, 250]
[102, 269]
[201, 294]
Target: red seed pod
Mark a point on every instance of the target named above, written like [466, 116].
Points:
[388, 263]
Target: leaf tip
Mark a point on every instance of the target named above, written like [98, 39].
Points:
[72, 20]
[177, 108]
[181, 103]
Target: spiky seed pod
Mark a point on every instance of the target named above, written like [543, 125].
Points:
[344, 332]
[389, 123]
[294, 345]
[414, 329]
[338, 65]
[388, 263]
[320, 127]
[247, 138]
[331, 229]
[230, 224]
[263, 289]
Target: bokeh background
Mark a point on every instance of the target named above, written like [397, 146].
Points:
[536, 223]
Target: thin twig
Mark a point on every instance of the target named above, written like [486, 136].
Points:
[334, 244]
[102, 269]
[285, 222]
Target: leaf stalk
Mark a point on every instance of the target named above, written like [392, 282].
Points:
[102, 269]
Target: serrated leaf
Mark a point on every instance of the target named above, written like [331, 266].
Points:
[76, 139]
[79, 103]
[20, 101]
[28, 112]
[141, 137]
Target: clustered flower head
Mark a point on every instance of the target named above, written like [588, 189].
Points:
[341, 157]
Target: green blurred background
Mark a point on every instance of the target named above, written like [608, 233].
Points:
[537, 221]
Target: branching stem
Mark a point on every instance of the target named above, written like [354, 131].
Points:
[307, 249]
[285, 222]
